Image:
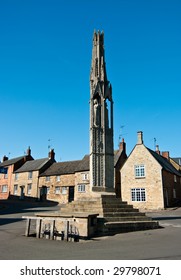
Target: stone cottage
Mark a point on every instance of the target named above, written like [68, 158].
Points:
[148, 179]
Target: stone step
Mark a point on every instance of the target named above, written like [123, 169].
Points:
[128, 226]
[127, 218]
[124, 214]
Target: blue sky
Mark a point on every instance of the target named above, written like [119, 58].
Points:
[45, 57]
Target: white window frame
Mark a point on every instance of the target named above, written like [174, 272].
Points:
[57, 190]
[16, 176]
[58, 178]
[30, 175]
[138, 195]
[81, 188]
[15, 191]
[64, 190]
[175, 178]
[4, 189]
[85, 176]
[139, 171]
[47, 178]
[29, 189]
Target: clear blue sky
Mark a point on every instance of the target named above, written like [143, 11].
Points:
[45, 57]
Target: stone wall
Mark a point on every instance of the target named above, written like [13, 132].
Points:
[152, 182]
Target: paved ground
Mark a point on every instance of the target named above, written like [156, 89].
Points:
[163, 243]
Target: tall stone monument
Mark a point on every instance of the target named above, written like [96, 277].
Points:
[101, 121]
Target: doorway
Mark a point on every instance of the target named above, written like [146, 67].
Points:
[71, 194]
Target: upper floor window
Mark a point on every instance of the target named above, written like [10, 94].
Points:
[47, 178]
[16, 176]
[30, 175]
[85, 176]
[6, 176]
[175, 178]
[139, 171]
[58, 178]
[138, 194]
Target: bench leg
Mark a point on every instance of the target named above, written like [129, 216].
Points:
[27, 229]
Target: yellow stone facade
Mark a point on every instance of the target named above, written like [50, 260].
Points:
[151, 182]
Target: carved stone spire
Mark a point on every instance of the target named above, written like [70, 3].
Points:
[101, 120]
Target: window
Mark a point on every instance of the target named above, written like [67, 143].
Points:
[48, 190]
[16, 176]
[30, 175]
[6, 176]
[64, 190]
[4, 188]
[138, 195]
[29, 186]
[57, 190]
[139, 171]
[174, 193]
[47, 179]
[58, 178]
[175, 178]
[85, 176]
[15, 190]
[81, 188]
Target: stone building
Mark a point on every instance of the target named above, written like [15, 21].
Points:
[148, 179]
[11, 165]
[25, 180]
[68, 181]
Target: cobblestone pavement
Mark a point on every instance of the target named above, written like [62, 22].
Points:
[162, 243]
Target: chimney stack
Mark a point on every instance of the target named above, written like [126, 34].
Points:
[166, 155]
[122, 146]
[139, 137]
[51, 154]
[5, 158]
[28, 152]
[157, 150]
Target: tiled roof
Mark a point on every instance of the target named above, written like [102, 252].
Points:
[164, 163]
[59, 168]
[11, 161]
[33, 165]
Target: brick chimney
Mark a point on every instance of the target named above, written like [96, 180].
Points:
[166, 155]
[157, 150]
[4, 158]
[28, 151]
[122, 146]
[51, 154]
[139, 138]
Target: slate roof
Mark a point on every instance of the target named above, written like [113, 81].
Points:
[11, 161]
[32, 165]
[166, 165]
[177, 160]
